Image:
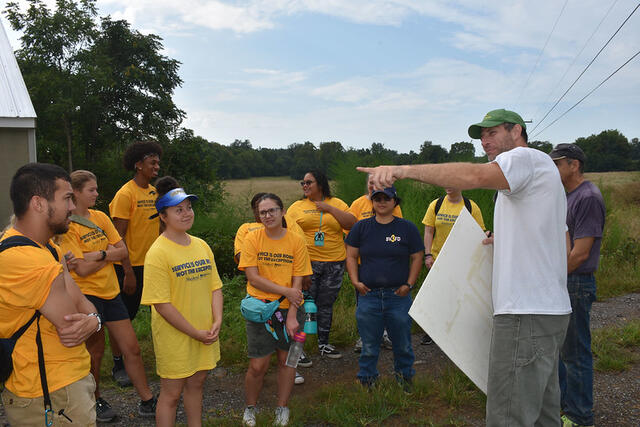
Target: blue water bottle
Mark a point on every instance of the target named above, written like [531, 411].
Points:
[311, 311]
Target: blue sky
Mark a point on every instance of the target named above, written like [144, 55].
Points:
[398, 72]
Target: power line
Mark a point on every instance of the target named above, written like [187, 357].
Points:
[576, 57]
[587, 67]
[585, 97]
[543, 49]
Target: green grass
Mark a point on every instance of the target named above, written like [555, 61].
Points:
[350, 404]
[616, 348]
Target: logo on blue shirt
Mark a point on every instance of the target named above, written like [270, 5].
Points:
[393, 238]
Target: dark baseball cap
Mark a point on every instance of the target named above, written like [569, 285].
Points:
[389, 191]
[568, 151]
[495, 118]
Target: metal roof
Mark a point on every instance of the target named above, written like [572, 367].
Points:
[14, 97]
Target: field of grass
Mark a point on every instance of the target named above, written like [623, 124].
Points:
[241, 191]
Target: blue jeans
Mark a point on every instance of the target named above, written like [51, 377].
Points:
[377, 310]
[576, 361]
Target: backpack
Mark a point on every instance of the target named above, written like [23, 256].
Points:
[8, 344]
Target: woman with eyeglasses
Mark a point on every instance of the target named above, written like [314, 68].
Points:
[323, 218]
[390, 251]
[184, 290]
[275, 259]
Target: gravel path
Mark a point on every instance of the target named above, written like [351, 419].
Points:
[617, 395]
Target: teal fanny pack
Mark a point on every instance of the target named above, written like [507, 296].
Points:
[258, 311]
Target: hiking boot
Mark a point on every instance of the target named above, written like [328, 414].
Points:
[299, 379]
[104, 412]
[120, 377]
[147, 408]
[329, 351]
[426, 340]
[304, 361]
[358, 347]
[282, 416]
[568, 422]
[249, 417]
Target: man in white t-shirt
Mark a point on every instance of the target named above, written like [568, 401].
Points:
[530, 299]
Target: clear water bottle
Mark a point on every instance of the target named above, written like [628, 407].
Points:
[311, 310]
[295, 349]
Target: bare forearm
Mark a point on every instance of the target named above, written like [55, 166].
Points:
[264, 284]
[217, 301]
[85, 268]
[464, 176]
[345, 219]
[416, 266]
[352, 268]
[575, 260]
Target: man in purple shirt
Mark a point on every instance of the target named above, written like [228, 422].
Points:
[585, 220]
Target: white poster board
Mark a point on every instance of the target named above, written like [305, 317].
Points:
[454, 303]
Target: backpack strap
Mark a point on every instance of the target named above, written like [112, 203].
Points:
[467, 204]
[86, 222]
[13, 241]
[439, 204]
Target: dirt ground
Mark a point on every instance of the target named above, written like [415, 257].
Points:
[616, 395]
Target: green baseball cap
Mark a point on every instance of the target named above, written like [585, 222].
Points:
[495, 118]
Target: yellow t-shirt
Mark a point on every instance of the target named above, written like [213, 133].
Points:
[445, 219]
[184, 276]
[248, 227]
[79, 239]
[136, 204]
[25, 283]
[277, 260]
[305, 213]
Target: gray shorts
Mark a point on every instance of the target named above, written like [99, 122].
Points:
[261, 343]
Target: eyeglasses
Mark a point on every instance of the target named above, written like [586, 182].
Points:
[308, 182]
[268, 212]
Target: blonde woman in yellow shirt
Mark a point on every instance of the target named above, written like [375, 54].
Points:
[95, 245]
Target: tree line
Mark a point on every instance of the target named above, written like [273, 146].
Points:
[97, 85]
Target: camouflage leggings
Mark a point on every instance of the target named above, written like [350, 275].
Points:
[325, 286]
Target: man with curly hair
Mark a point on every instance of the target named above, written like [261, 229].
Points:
[130, 210]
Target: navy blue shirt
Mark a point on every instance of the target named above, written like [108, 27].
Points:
[385, 250]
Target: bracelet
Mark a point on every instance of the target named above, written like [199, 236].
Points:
[97, 316]
[104, 255]
[429, 254]
[409, 285]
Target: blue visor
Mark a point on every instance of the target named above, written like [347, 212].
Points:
[172, 198]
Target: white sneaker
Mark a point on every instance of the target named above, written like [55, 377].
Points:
[282, 416]
[299, 379]
[358, 347]
[249, 417]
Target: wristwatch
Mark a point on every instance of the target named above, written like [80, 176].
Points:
[97, 316]
[104, 255]
[409, 285]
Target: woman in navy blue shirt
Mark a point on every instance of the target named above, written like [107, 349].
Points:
[390, 251]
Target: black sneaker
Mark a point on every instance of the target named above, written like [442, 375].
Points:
[148, 408]
[120, 377]
[426, 340]
[104, 412]
[329, 351]
[304, 361]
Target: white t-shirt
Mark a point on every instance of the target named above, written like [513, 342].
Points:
[530, 258]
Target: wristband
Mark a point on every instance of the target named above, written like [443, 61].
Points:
[429, 254]
[97, 316]
[104, 255]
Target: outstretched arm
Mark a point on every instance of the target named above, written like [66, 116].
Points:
[464, 176]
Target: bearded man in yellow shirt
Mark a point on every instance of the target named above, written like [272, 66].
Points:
[33, 281]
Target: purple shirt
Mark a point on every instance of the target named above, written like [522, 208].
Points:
[585, 218]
